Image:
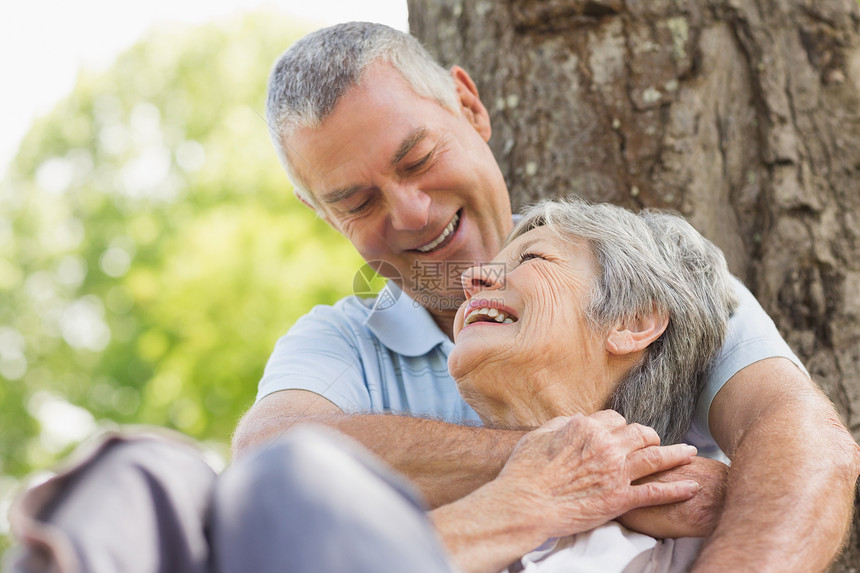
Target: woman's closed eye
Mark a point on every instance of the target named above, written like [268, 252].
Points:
[528, 256]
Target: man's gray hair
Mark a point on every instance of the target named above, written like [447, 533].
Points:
[647, 261]
[308, 80]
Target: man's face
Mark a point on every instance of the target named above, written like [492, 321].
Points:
[408, 182]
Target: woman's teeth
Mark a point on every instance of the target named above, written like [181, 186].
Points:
[488, 315]
[438, 240]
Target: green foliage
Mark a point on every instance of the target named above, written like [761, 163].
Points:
[151, 251]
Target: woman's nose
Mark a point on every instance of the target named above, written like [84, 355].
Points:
[483, 277]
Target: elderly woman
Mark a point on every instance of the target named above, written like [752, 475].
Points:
[587, 307]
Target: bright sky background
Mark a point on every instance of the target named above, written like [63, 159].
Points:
[43, 43]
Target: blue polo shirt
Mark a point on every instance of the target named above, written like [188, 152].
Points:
[370, 355]
[386, 354]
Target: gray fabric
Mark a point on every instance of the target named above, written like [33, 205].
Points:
[322, 505]
[129, 505]
[311, 502]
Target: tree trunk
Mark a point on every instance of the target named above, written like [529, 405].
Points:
[742, 115]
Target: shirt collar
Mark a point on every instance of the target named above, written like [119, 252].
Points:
[403, 325]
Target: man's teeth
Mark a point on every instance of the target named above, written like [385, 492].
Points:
[492, 313]
[438, 240]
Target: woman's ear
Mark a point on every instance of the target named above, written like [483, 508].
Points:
[470, 103]
[634, 335]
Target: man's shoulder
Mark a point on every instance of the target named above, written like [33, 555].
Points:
[351, 311]
[358, 315]
[348, 306]
[752, 336]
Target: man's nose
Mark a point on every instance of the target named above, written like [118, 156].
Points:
[409, 208]
[482, 277]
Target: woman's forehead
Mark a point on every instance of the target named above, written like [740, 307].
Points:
[548, 238]
[532, 235]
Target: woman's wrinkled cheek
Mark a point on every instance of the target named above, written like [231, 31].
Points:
[546, 326]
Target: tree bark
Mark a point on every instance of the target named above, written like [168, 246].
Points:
[742, 115]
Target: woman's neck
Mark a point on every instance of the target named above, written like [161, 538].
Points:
[505, 401]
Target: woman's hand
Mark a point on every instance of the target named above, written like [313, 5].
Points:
[570, 475]
[576, 473]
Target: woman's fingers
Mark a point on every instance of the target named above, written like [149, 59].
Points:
[655, 459]
[641, 436]
[609, 419]
[660, 493]
[650, 460]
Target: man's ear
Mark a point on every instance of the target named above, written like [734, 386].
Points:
[470, 103]
[319, 212]
[304, 201]
[634, 335]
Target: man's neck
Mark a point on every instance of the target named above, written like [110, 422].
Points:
[445, 321]
[441, 306]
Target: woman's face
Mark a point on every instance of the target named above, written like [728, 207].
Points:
[522, 336]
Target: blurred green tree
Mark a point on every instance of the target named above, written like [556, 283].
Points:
[151, 251]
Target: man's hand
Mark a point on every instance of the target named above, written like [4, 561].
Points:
[570, 475]
[695, 517]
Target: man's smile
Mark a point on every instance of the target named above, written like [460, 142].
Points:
[440, 241]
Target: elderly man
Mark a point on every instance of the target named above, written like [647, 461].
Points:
[392, 151]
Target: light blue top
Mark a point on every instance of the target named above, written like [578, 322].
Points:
[393, 358]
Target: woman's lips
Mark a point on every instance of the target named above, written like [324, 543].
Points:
[487, 310]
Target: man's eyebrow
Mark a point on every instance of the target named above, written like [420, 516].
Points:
[413, 139]
[338, 195]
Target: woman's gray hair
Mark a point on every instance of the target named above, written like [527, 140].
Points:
[308, 80]
[650, 260]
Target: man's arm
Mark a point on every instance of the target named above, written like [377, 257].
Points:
[789, 494]
[445, 461]
[695, 517]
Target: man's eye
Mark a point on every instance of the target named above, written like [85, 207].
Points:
[420, 163]
[528, 256]
[359, 208]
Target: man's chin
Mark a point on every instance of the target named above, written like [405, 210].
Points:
[436, 302]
